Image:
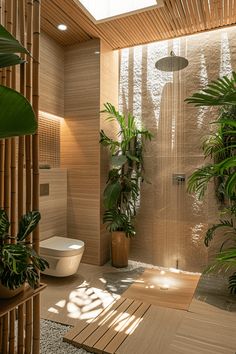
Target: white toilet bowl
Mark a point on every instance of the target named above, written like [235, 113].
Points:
[63, 255]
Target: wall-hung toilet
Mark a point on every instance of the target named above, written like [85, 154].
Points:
[63, 255]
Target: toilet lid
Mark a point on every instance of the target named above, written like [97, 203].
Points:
[61, 247]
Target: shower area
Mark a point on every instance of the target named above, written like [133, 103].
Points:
[171, 223]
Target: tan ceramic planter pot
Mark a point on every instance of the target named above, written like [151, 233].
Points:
[119, 249]
[6, 293]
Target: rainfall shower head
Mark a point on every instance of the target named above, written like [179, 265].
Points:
[171, 63]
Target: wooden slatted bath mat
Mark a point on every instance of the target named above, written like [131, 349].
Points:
[109, 330]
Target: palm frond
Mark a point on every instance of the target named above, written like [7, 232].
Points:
[211, 231]
[198, 181]
[221, 92]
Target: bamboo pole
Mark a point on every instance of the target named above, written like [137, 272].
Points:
[2, 142]
[21, 167]
[2, 153]
[1, 331]
[5, 334]
[13, 24]
[29, 97]
[36, 54]
[28, 145]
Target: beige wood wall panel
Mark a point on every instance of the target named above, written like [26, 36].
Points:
[82, 84]
[80, 145]
[51, 77]
[53, 207]
[109, 78]
[91, 80]
[176, 18]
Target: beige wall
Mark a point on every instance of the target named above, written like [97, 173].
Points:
[53, 208]
[51, 77]
[170, 223]
[86, 73]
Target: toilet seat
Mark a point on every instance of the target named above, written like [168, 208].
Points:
[61, 247]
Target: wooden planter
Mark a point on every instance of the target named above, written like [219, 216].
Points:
[6, 293]
[119, 249]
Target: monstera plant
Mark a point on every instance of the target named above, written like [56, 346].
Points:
[220, 148]
[122, 190]
[19, 263]
[16, 114]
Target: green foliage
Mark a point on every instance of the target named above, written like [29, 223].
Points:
[16, 114]
[118, 221]
[220, 147]
[123, 186]
[228, 224]
[19, 263]
[221, 92]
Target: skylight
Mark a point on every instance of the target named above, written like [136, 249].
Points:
[106, 9]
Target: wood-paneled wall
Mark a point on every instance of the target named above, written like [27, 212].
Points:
[80, 149]
[53, 207]
[51, 77]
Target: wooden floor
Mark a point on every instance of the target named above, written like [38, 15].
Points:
[203, 329]
[164, 288]
[132, 327]
[111, 330]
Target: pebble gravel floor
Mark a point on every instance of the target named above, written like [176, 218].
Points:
[51, 339]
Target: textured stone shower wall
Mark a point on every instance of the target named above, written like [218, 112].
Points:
[171, 224]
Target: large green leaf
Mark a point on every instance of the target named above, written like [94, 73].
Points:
[9, 60]
[27, 224]
[9, 44]
[111, 195]
[16, 114]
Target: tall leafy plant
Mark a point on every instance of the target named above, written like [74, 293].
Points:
[16, 114]
[220, 148]
[126, 172]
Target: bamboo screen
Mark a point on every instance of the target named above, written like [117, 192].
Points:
[19, 173]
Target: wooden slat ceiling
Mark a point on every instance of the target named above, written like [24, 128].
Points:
[176, 18]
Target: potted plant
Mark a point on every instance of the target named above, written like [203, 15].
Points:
[220, 148]
[123, 185]
[19, 263]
